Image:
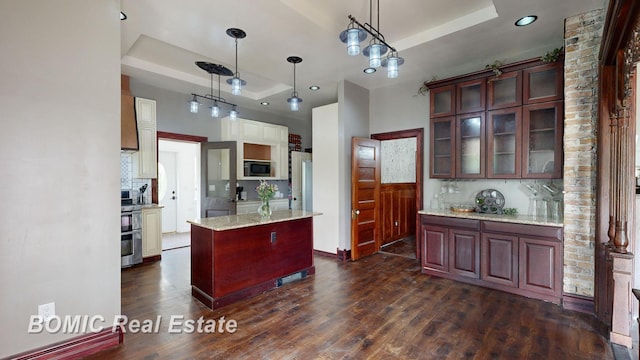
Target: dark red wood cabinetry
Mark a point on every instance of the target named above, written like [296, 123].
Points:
[518, 258]
[506, 126]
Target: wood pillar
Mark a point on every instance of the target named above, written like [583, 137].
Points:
[621, 322]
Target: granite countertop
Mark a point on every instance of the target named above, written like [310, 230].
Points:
[231, 222]
[519, 219]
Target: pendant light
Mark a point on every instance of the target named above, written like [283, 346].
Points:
[294, 101]
[194, 105]
[236, 82]
[233, 114]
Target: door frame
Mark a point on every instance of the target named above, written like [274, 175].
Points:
[171, 136]
[419, 135]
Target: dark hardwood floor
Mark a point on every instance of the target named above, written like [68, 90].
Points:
[404, 247]
[380, 307]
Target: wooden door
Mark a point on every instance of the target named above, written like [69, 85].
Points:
[365, 197]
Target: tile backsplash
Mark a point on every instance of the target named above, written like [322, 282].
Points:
[127, 181]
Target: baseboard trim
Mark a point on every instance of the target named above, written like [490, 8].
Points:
[584, 304]
[151, 259]
[77, 347]
[344, 255]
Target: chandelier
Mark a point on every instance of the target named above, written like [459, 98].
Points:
[357, 33]
[219, 70]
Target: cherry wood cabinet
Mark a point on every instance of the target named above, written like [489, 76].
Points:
[470, 146]
[504, 143]
[520, 123]
[542, 140]
[442, 148]
[518, 258]
[450, 246]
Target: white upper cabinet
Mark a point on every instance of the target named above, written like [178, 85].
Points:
[145, 160]
[275, 137]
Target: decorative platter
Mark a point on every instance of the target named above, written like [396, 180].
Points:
[489, 201]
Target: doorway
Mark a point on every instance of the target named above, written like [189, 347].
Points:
[177, 188]
[408, 197]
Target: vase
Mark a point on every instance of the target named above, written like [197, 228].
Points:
[264, 210]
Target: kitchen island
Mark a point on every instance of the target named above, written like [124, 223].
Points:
[238, 256]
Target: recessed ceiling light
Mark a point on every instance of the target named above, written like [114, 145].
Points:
[526, 20]
[264, 103]
[314, 87]
[123, 16]
[369, 70]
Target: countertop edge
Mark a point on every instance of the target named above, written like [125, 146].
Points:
[239, 221]
[516, 219]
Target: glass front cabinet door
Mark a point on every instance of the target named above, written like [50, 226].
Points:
[504, 138]
[442, 148]
[542, 140]
[470, 153]
[504, 91]
[543, 83]
[471, 96]
[442, 101]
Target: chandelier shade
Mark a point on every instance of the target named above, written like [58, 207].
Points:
[353, 36]
[294, 101]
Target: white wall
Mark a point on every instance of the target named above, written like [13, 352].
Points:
[188, 180]
[60, 159]
[353, 114]
[325, 130]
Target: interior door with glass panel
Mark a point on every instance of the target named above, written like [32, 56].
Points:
[219, 174]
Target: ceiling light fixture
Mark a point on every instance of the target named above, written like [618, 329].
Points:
[526, 20]
[314, 87]
[294, 101]
[123, 16]
[219, 70]
[357, 32]
[264, 103]
[235, 82]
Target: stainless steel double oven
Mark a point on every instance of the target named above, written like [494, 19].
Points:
[130, 230]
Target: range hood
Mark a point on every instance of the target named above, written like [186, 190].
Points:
[128, 125]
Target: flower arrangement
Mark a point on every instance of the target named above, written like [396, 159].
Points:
[266, 191]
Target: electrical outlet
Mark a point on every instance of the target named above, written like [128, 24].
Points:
[273, 237]
[47, 311]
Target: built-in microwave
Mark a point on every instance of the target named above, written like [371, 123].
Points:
[257, 168]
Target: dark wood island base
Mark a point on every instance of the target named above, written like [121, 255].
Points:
[238, 256]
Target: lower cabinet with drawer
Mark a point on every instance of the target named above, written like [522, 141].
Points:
[518, 258]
